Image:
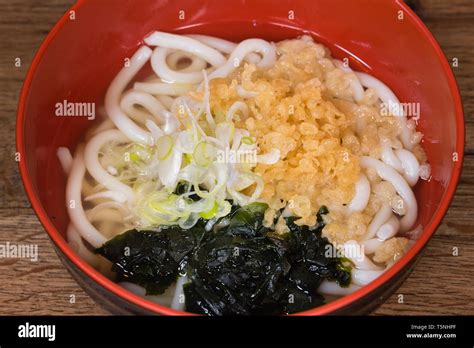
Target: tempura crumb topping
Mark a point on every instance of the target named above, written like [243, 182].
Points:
[303, 106]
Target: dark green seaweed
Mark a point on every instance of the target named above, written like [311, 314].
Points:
[149, 258]
[241, 268]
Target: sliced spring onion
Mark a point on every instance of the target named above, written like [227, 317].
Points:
[199, 206]
[193, 173]
[243, 199]
[238, 135]
[210, 213]
[164, 147]
[134, 157]
[135, 152]
[186, 141]
[163, 206]
[216, 180]
[240, 182]
[189, 221]
[248, 140]
[225, 132]
[185, 150]
[168, 169]
[203, 154]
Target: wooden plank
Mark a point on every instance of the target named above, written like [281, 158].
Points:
[37, 288]
[442, 8]
[455, 36]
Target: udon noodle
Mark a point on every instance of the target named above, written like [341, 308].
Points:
[316, 128]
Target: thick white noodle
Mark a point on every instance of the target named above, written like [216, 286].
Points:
[363, 277]
[161, 88]
[389, 229]
[166, 100]
[224, 46]
[114, 93]
[104, 215]
[65, 159]
[158, 112]
[389, 157]
[76, 243]
[354, 252]
[110, 205]
[411, 167]
[152, 105]
[401, 186]
[95, 169]
[263, 47]
[366, 264]
[105, 125]
[156, 132]
[361, 197]
[106, 211]
[371, 245]
[382, 216]
[403, 161]
[178, 297]
[175, 57]
[74, 203]
[186, 44]
[168, 75]
[163, 299]
[357, 88]
[234, 108]
[116, 196]
[332, 288]
[388, 98]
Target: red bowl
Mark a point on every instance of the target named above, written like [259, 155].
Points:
[79, 58]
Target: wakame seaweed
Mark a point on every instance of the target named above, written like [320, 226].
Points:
[234, 275]
[240, 268]
[149, 258]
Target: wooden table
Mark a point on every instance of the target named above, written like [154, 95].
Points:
[440, 284]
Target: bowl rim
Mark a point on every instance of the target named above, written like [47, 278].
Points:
[328, 308]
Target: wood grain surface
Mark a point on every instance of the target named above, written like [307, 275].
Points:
[440, 284]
